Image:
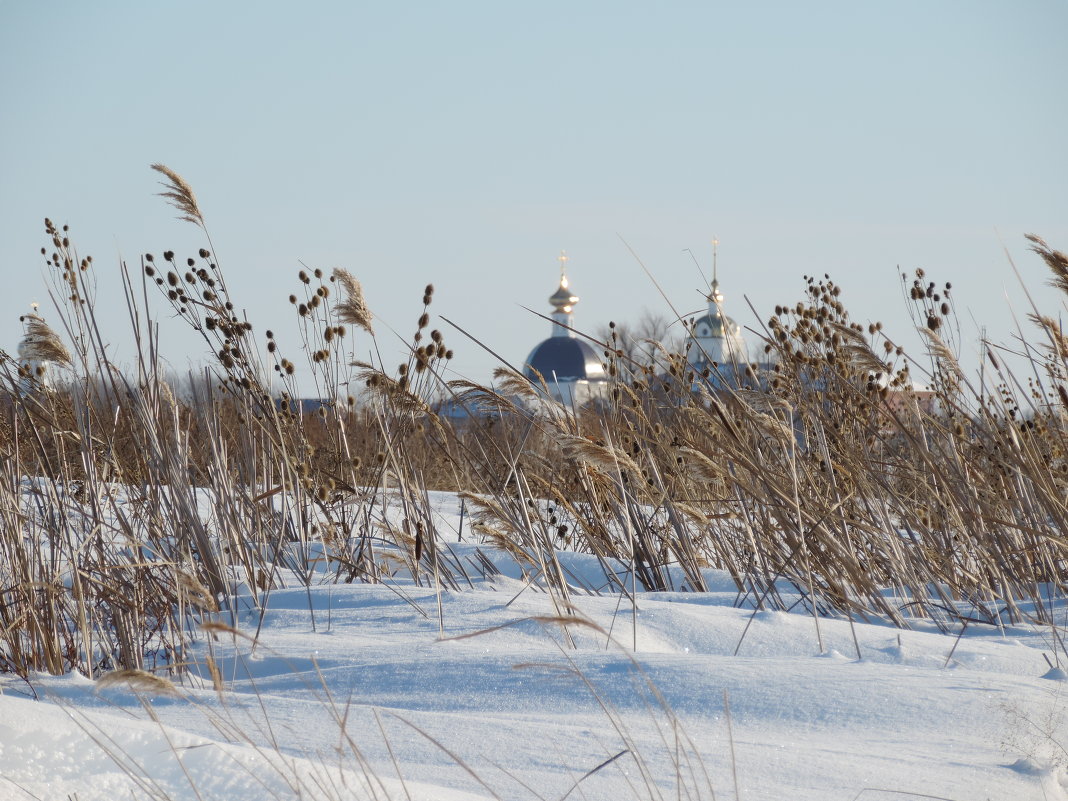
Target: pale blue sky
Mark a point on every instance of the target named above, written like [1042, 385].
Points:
[467, 143]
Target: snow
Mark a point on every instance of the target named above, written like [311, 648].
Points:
[402, 691]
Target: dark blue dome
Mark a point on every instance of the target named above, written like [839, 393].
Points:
[564, 359]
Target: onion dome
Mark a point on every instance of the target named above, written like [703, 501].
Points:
[563, 300]
[564, 359]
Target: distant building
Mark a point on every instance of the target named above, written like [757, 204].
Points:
[571, 368]
[716, 351]
[717, 356]
[915, 398]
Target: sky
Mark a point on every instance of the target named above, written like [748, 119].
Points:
[466, 144]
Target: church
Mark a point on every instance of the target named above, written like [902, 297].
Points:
[716, 352]
[569, 365]
[573, 368]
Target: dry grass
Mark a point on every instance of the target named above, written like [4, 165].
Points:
[828, 477]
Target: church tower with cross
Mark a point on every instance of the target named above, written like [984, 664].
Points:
[569, 365]
[715, 343]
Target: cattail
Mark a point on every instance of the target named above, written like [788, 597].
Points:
[353, 309]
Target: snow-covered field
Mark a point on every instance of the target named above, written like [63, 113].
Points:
[383, 695]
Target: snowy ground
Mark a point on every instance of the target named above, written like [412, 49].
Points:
[372, 701]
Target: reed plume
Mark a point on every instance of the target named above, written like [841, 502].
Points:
[41, 343]
[138, 681]
[516, 384]
[353, 309]
[1055, 331]
[180, 195]
[1055, 260]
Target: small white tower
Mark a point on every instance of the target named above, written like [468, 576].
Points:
[716, 340]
